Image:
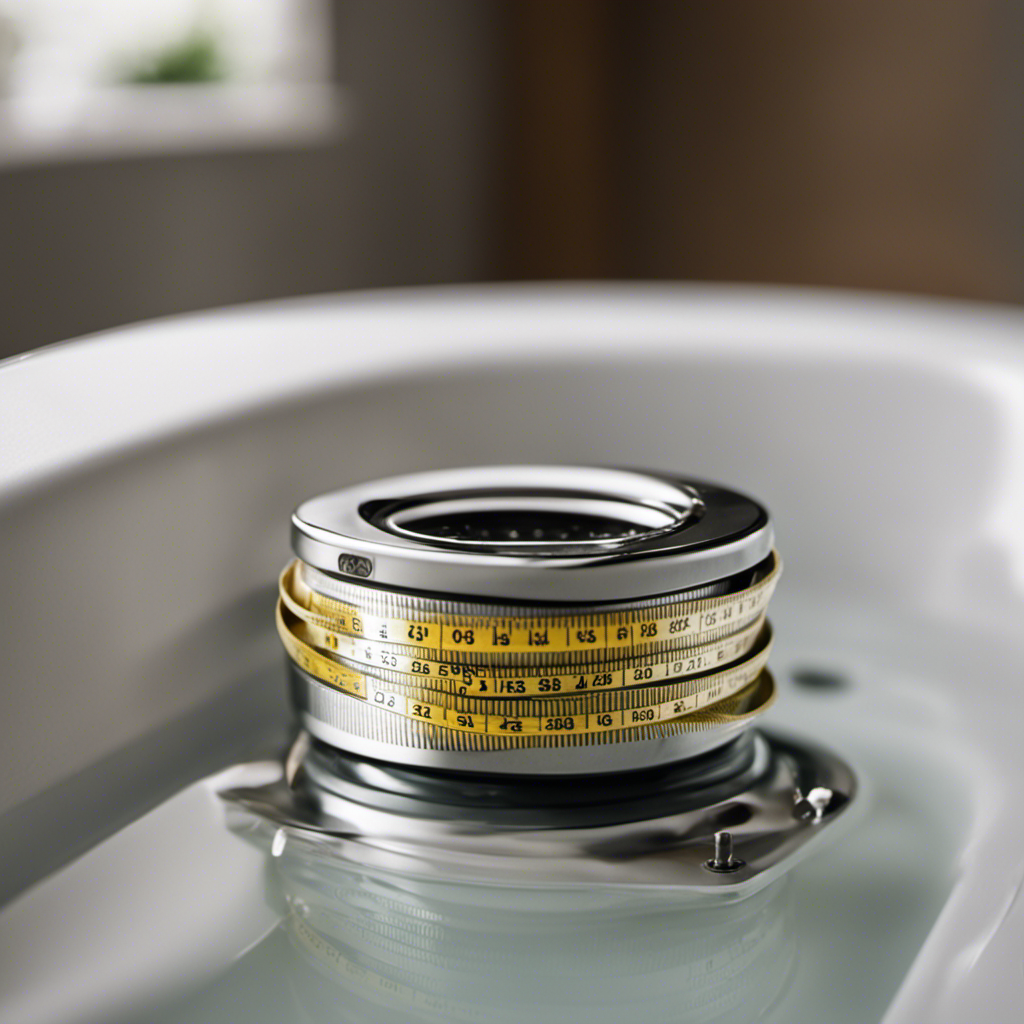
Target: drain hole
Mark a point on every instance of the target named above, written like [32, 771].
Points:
[822, 679]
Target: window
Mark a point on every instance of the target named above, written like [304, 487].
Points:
[92, 78]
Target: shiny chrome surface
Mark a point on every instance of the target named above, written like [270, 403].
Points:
[687, 533]
[723, 861]
[768, 834]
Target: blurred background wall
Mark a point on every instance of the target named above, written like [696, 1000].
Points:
[395, 192]
[863, 143]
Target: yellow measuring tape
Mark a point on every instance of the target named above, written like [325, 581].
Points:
[589, 712]
[468, 671]
[528, 680]
[398, 619]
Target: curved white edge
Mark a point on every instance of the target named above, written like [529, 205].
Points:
[109, 392]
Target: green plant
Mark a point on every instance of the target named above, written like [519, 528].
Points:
[195, 58]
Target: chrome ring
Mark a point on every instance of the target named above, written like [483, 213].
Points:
[684, 534]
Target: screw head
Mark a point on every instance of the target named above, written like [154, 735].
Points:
[723, 862]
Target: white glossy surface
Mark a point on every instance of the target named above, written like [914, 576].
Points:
[174, 898]
[886, 435]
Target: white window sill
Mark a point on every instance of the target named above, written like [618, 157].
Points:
[154, 120]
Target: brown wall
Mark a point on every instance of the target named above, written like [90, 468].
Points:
[868, 143]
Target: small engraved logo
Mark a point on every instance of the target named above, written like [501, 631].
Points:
[355, 565]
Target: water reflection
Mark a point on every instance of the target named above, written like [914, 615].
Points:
[362, 947]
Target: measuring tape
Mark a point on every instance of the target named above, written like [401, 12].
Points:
[527, 680]
[587, 713]
[387, 617]
[414, 664]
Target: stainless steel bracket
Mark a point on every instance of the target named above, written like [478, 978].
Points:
[735, 846]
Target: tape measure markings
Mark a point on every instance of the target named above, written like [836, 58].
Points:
[622, 629]
[488, 670]
[587, 713]
[530, 680]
